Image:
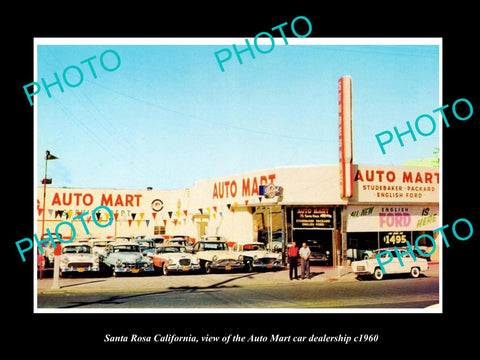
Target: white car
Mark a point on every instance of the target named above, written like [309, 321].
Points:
[215, 255]
[255, 256]
[78, 258]
[171, 257]
[99, 245]
[372, 267]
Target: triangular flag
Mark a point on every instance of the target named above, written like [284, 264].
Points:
[141, 215]
[170, 214]
[138, 222]
[164, 222]
[246, 202]
[130, 222]
[147, 222]
[201, 211]
[215, 208]
[115, 216]
[208, 210]
[154, 214]
[133, 216]
[185, 212]
[214, 216]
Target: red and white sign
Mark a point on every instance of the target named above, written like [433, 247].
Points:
[367, 218]
[345, 136]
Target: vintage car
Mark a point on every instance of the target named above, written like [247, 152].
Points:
[371, 266]
[147, 246]
[215, 255]
[123, 257]
[78, 258]
[157, 239]
[99, 245]
[171, 257]
[255, 256]
[318, 252]
[181, 241]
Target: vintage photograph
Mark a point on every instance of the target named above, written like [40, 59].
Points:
[280, 173]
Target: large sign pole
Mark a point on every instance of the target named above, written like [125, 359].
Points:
[345, 136]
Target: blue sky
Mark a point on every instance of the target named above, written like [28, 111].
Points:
[168, 116]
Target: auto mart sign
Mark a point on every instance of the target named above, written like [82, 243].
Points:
[396, 184]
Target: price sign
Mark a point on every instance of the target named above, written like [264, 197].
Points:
[394, 238]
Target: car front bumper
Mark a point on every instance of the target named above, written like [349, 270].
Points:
[79, 269]
[226, 265]
[135, 270]
[259, 264]
[181, 268]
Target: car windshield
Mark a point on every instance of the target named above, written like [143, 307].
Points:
[146, 243]
[253, 247]
[100, 243]
[126, 248]
[215, 246]
[78, 249]
[173, 249]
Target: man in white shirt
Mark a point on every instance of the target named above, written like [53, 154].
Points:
[305, 260]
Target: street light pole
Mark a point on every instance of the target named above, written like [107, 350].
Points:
[48, 156]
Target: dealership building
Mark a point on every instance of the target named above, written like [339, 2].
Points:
[343, 210]
[388, 206]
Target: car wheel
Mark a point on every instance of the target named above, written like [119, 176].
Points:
[165, 269]
[378, 274]
[415, 272]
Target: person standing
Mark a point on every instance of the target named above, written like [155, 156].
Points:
[305, 260]
[293, 260]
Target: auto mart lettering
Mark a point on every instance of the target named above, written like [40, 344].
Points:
[249, 186]
[390, 176]
[87, 199]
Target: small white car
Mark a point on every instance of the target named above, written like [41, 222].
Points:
[371, 266]
[255, 256]
[78, 258]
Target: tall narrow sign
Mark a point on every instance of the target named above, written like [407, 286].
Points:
[345, 136]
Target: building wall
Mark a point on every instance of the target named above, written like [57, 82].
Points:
[225, 206]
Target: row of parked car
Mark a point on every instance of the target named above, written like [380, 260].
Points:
[155, 254]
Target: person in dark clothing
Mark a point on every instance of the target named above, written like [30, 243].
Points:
[293, 260]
